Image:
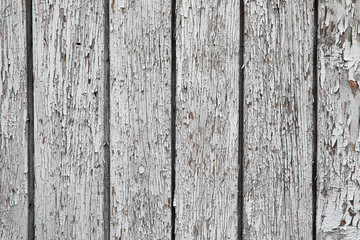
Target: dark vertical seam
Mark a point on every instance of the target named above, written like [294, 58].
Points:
[315, 119]
[30, 120]
[241, 123]
[106, 209]
[173, 114]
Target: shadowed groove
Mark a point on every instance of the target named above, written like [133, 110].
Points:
[30, 121]
[173, 114]
[241, 124]
[106, 210]
[315, 119]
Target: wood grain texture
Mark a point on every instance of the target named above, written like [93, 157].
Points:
[339, 118]
[13, 115]
[278, 119]
[207, 124]
[140, 64]
[68, 75]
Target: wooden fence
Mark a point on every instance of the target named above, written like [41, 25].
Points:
[184, 119]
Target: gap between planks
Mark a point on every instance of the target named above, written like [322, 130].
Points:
[30, 121]
[173, 115]
[315, 119]
[107, 203]
[241, 123]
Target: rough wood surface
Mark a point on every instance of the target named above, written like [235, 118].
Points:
[339, 118]
[68, 95]
[278, 119]
[13, 114]
[140, 60]
[207, 119]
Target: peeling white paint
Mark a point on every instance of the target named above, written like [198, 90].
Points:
[338, 154]
[140, 59]
[352, 59]
[68, 73]
[68, 95]
[13, 114]
[278, 119]
[207, 119]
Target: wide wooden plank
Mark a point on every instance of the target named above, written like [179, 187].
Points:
[13, 115]
[278, 118]
[68, 75]
[207, 119]
[339, 118]
[140, 65]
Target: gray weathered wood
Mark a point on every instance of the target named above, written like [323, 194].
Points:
[140, 61]
[68, 96]
[278, 119]
[13, 114]
[338, 109]
[207, 119]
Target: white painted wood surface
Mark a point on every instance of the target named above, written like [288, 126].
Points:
[140, 76]
[68, 38]
[68, 75]
[278, 118]
[207, 38]
[339, 105]
[13, 115]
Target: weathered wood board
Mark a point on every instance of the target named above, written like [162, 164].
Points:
[140, 76]
[13, 115]
[278, 118]
[339, 118]
[68, 103]
[207, 113]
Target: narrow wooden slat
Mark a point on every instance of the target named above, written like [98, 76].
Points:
[68, 75]
[278, 119]
[339, 118]
[13, 115]
[140, 64]
[207, 124]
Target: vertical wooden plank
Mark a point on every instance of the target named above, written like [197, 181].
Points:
[13, 114]
[339, 119]
[68, 75]
[278, 119]
[140, 63]
[207, 123]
